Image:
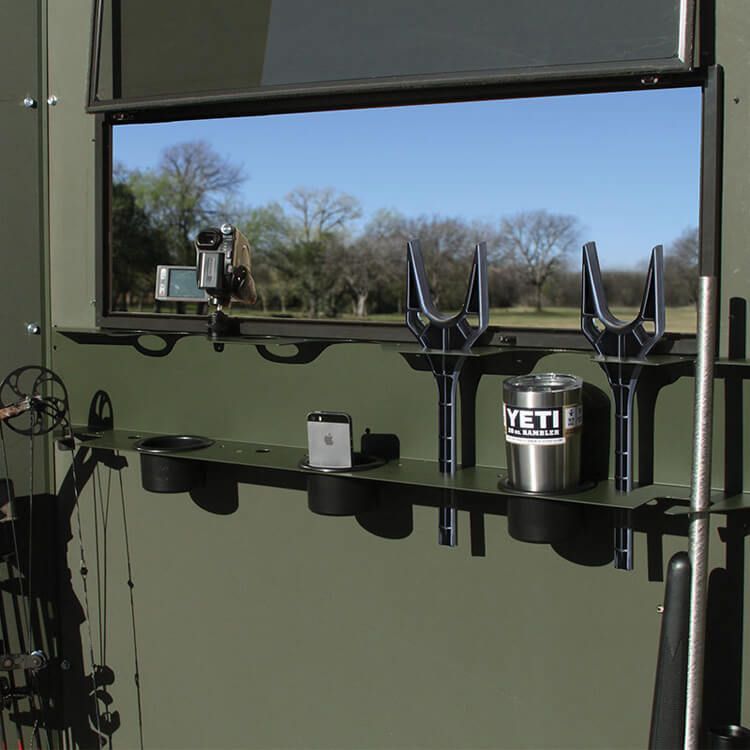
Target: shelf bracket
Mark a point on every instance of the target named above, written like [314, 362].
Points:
[451, 336]
[624, 341]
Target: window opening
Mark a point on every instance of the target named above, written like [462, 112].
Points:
[329, 199]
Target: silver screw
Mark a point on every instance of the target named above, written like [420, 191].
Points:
[29, 102]
[52, 100]
[33, 329]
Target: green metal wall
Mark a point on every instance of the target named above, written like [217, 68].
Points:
[274, 628]
[22, 212]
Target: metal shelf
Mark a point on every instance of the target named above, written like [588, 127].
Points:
[135, 337]
[407, 473]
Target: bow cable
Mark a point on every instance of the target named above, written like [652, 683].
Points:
[84, 581]
[131, 586]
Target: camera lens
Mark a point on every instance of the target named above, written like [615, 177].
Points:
[208, 238]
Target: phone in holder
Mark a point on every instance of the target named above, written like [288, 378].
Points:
[329, 439]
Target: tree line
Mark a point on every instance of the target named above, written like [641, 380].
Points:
[313, 256]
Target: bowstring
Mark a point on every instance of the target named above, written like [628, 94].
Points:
[131, 587]
[105, 550]
[84, 574]
[101, 512]
[12, 514]
[97, 554]
[57, 412]
[16, 562]
[29, 636]
[31, 681]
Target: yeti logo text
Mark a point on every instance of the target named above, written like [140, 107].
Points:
[534, 426]
[533, 419]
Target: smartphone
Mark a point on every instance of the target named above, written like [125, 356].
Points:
[329, 439]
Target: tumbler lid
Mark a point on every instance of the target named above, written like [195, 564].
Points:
[543, 382]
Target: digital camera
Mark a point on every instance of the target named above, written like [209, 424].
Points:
[221, 272]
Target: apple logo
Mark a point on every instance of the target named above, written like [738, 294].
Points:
[328, 439]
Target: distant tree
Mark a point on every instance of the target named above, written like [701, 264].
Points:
[314, 266]
[624, 288]
[322, 212]
[192, 187]
[538, 243]
[566, 289]
[374, 266]
[681, 269]
[447, 246]
[267, 229]
[314, 249]
[137, 246]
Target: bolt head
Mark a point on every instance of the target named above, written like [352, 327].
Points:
[33, 329]
[52, 100]
[29, 102]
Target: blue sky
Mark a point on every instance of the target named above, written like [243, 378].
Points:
[626, 164]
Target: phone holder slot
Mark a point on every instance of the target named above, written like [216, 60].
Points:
[330, 494]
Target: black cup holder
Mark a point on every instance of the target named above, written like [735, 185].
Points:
[728, 737]
[161, 472]
[330, 494]
[542, 521]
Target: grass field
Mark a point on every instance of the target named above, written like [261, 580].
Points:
[679, 319]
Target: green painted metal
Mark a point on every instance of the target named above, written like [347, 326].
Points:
[22, 187]
[272, 627]
[488, 481]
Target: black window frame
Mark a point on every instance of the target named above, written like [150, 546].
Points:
[408, 92]
[295, 97]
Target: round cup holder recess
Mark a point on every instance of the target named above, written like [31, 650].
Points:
[161, 472]
[172, 443]
[360, 462]
[332, 495]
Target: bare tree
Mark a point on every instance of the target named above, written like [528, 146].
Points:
[374, 262]
[681, 269]
[321, 212]
[267, 229]
[448, 246]
[192, 187]
[137, 247]
[314, 250]
[538, 242]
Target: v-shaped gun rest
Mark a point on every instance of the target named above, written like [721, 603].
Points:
[627, 343]
[446, 336]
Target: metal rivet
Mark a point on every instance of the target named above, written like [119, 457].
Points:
[660, 609]
[29, 102]
[52, 100]
[33, 329]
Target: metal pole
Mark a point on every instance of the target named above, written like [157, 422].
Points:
[699, 505]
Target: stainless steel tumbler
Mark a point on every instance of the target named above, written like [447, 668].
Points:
[543, 417]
